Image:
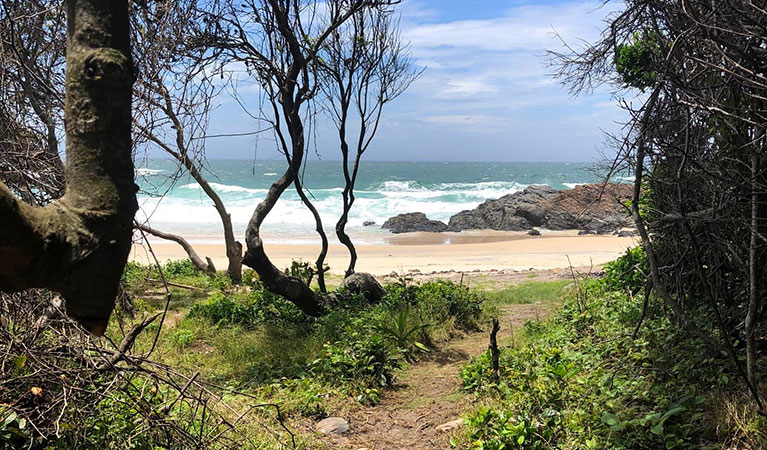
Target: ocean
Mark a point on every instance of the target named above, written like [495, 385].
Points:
[384, 189]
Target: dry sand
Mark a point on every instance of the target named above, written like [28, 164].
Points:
[429, 252]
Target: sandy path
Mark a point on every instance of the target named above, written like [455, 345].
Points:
[429, 394]
[436, 252]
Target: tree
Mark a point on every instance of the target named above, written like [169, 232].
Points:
[367, 66]
[174, 95]
[279, 43]
[31, 98]
[697, 147]
[78, 245]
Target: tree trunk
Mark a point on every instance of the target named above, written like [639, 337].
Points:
[276, 281]
[495, 354]
[292, 288]
[753, 301]
[181, 154]
[79, 244]
[652, 261]
[233, 247]
[205, 266]
[320, 263]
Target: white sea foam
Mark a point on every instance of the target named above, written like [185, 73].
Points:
[270, 174]
[146, 171]
[218, 187]
[572, 185]
[290, 221]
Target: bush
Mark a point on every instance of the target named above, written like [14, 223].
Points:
[440, 301]
[362, 362]
[628, 271]
[581, 381]
[180, 268]
[250, 310]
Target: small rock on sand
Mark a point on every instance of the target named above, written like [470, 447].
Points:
[332, 425]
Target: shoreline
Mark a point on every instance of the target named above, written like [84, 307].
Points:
[424, 252]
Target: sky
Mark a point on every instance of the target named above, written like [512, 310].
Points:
[486, 92]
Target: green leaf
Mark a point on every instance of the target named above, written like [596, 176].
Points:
[20, 361]
[610, 419]
[672, 412]
[657, 429]
[421, 347]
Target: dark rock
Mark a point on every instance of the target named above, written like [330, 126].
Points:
[332, 425]
[365, 284]
[593, 207]
[410, 222]
[628, 233]
[513, 212]
[534, 232]
[368, 223]
[586, 232]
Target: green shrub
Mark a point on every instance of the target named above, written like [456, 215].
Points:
[440, 301]
[135, 272]
[250, 310]
[302, 270]
[402, 329]
[491, 430]
[362, 362]
[180, 268]
[582, 381]
[628, 271]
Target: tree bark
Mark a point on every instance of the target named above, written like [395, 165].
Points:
[276, 281]
[495, 354]
[205, 266]
[320, 263]
[79, 244]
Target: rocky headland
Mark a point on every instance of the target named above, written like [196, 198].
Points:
[590, 208]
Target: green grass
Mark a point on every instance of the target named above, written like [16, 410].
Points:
[530, 292]
[245, 338]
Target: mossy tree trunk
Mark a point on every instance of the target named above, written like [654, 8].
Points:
[79, 244]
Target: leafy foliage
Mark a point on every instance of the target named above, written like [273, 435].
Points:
[355, 348]
[402, 330]
[179, 268]
[581, 381]
[628, 271]
[636, 62]
[248, 310]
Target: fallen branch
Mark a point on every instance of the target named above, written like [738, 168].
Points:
[169, 283]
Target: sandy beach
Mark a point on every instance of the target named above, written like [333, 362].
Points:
[433, 252]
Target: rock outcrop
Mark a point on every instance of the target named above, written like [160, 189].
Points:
[513, 212]
[410, 222]
[593, 208]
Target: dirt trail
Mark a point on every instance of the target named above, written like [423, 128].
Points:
[428, 394]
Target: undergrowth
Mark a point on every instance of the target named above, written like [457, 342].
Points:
[246, 337]
[582, 380]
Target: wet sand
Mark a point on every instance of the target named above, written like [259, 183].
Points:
[428, 252]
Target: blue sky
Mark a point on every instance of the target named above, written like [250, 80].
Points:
[486, 93]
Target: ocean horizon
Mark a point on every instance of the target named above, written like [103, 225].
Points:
[172, 201]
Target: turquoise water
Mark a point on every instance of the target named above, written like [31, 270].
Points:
[384, 189]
